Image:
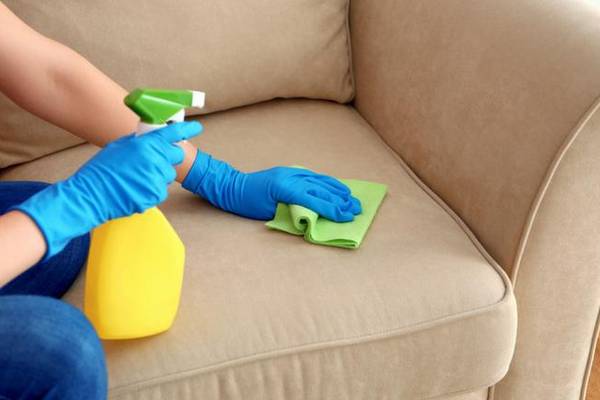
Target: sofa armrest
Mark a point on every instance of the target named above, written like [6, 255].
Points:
[557, 279]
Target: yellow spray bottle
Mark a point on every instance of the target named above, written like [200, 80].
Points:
[135, 264]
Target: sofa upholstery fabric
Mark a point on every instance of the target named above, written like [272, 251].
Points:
[238, 52]
[566, 222]
[477, 97]
[419, 311]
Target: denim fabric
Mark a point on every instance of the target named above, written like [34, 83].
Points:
[48, 349]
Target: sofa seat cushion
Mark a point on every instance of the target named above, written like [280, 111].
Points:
[418, 311]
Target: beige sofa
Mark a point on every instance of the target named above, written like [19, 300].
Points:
[481, 116]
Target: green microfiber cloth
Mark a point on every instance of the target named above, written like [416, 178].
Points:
[299, 220]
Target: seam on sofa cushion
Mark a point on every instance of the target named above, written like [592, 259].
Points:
[545, 184]
[353, 340]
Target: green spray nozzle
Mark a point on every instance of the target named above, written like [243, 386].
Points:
[157, 106]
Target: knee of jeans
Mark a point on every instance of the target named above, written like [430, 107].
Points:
[83, 355]
[63, 340]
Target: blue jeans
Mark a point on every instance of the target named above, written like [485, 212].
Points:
[48, 349]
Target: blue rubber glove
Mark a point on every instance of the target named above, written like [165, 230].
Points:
[128, 176]
[255, 195]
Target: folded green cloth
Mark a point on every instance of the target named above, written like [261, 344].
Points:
[299, 220]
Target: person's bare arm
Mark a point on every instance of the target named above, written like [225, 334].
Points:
[58, 85]
[21, 245]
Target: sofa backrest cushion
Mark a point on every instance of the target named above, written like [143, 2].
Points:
[478, 97]
[238, 52]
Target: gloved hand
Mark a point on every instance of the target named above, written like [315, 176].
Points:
[255, 195]
[128, 176]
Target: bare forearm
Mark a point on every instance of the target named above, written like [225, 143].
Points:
[21, 245]
[58, 85]
[79, 98]
[90, 105]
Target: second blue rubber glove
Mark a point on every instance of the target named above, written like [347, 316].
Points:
[128, 176]
[255, 195]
